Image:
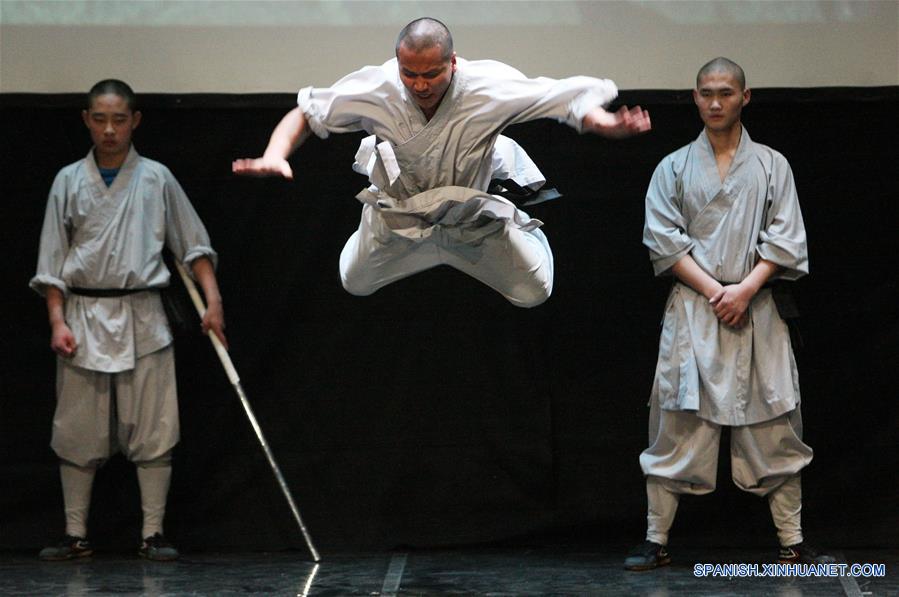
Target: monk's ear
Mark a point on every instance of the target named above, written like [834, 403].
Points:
[453, 61]
[135, 119]
[86, 118]
[696, 97]
[746, 95]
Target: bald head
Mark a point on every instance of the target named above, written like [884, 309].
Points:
[722, 65]
[425, 33]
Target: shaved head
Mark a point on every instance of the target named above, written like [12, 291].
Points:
[425, 33]
[115, 87]
[724, 65]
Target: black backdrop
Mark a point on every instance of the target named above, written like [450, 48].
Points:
[433, 413]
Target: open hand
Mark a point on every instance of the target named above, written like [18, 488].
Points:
[262, 167]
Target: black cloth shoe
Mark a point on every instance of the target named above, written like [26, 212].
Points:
[156, 548]
[68, 549]
[647, 556]
[803, 553]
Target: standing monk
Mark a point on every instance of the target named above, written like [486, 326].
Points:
[435, 122]
[723, 218]
[100, 267]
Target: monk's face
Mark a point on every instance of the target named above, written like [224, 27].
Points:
[110, 122]
[720, 100]
[426, 75]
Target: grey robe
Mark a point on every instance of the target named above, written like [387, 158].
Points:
[727, 376]
[96, 236]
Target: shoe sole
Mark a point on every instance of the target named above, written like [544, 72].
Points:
[648, 567]
[158, 558]
[77, 556]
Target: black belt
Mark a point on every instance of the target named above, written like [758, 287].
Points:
[768, 284]
[108, 292]
[175, 311]
[522, 196]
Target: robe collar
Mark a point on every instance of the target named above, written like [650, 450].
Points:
[739, 156]
[123, 176]
[713, 183]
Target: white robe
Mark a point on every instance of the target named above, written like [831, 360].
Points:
[102, 237]
[725, 375]
[453, 149]
[427, 204]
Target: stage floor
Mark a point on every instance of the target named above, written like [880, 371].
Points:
[518, 571]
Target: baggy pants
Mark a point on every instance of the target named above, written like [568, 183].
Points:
[682, 457]
[516, 263]
[98, 414]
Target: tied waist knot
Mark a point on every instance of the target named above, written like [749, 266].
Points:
[458, 218]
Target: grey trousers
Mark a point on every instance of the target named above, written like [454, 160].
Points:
[98, 414]
[682, 458]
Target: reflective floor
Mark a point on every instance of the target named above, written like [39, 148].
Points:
[533, 571]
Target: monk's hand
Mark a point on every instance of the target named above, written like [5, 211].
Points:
[262, 167]
[618, 125]
[731, 303]
[62, 340]
[214, 321]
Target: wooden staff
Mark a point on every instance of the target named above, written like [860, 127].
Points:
[231, 372]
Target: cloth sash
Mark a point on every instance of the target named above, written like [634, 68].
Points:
[457, 217]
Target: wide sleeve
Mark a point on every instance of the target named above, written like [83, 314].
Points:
[351, 104]
[516, 98]
[782, 239]
[185, 235]
[665, 228]
[55, 239]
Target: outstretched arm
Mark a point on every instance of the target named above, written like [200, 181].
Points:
[617, 125]
[290, 133]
